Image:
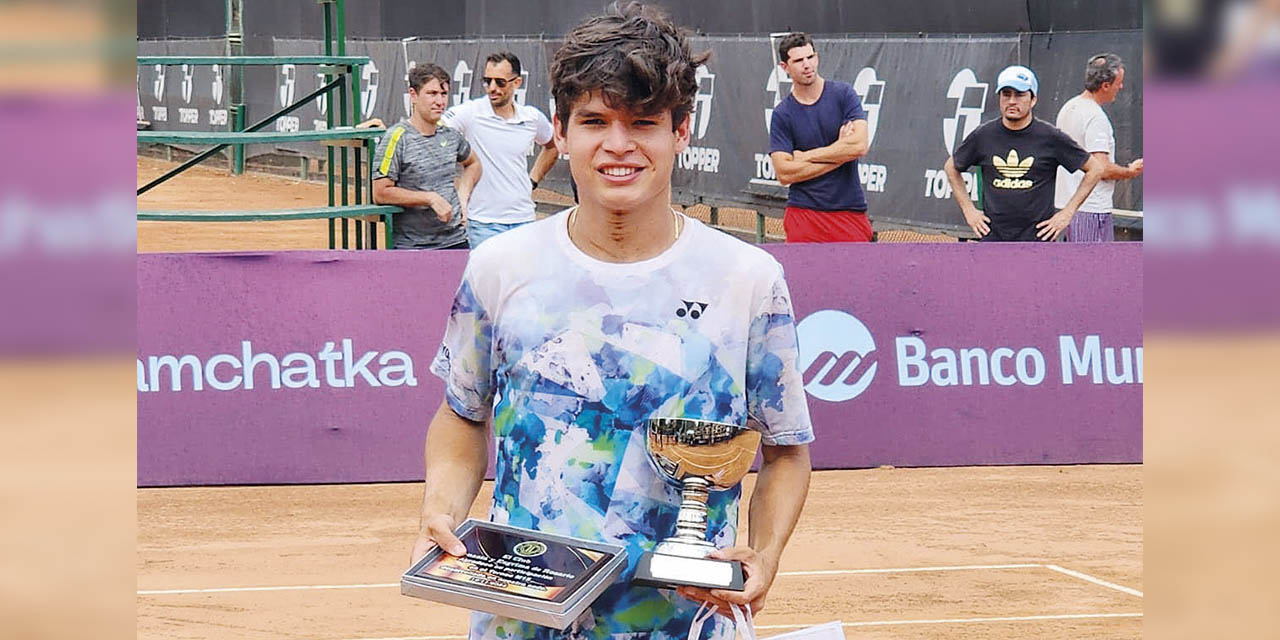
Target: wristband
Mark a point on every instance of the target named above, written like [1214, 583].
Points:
[535, 183]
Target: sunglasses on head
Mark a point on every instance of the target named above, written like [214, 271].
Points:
[501, 82]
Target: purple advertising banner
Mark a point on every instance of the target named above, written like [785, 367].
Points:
[1213, 228]
[305, 367]
[67, 232]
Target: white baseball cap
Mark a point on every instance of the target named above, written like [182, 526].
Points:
[1019, 78]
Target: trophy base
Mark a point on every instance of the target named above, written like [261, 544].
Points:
[666, 571]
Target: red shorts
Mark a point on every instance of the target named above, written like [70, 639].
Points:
[807, 225]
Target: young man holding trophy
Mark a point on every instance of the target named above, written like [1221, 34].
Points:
[619, 349]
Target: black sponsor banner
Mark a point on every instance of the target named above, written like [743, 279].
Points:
[922, 96]
[728, 126]
[184, 97]
[381, 90]
[288, 83]
[378, 19]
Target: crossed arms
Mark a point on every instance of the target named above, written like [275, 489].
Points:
[808, 164]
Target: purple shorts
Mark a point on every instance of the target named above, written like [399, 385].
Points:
[1087, 226]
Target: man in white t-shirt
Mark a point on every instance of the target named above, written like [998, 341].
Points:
[1083, 119]
[568, 334]
[503, 132]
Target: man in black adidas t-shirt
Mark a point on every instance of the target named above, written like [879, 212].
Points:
[1019, 156]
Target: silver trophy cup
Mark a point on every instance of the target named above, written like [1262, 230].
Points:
[699, 456]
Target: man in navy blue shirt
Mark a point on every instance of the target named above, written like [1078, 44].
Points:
[816, 136]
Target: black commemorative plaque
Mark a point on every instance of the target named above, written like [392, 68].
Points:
[518, 573]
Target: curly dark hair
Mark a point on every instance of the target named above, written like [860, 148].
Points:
[635, 57]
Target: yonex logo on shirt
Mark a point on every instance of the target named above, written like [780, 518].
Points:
[692, 309]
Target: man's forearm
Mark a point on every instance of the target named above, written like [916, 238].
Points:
[781, 487]
[958, 190]
[838, 152]
[1091, 180]
[456, 456]
[543, 163]
[1118, 172]
[791, 170]
[467, 180]
[402, 197]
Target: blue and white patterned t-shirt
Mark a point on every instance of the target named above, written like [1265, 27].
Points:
[572, 355]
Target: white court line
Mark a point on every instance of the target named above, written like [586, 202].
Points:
[831, 572]
[885, 623]
[1089, 578]
[388, 585]
[967, 567]
[299, 587]
[876, 623]
[414, 638]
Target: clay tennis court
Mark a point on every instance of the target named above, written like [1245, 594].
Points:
[985, 552]
[975, 552]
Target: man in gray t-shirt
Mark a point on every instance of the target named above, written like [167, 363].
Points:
[415, 166]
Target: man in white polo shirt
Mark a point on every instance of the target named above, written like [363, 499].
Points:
[1083, 119]
[502, 132]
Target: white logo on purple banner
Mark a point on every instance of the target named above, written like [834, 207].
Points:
[834, 351]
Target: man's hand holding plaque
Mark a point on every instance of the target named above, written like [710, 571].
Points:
[528, 575]
[437, 530]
